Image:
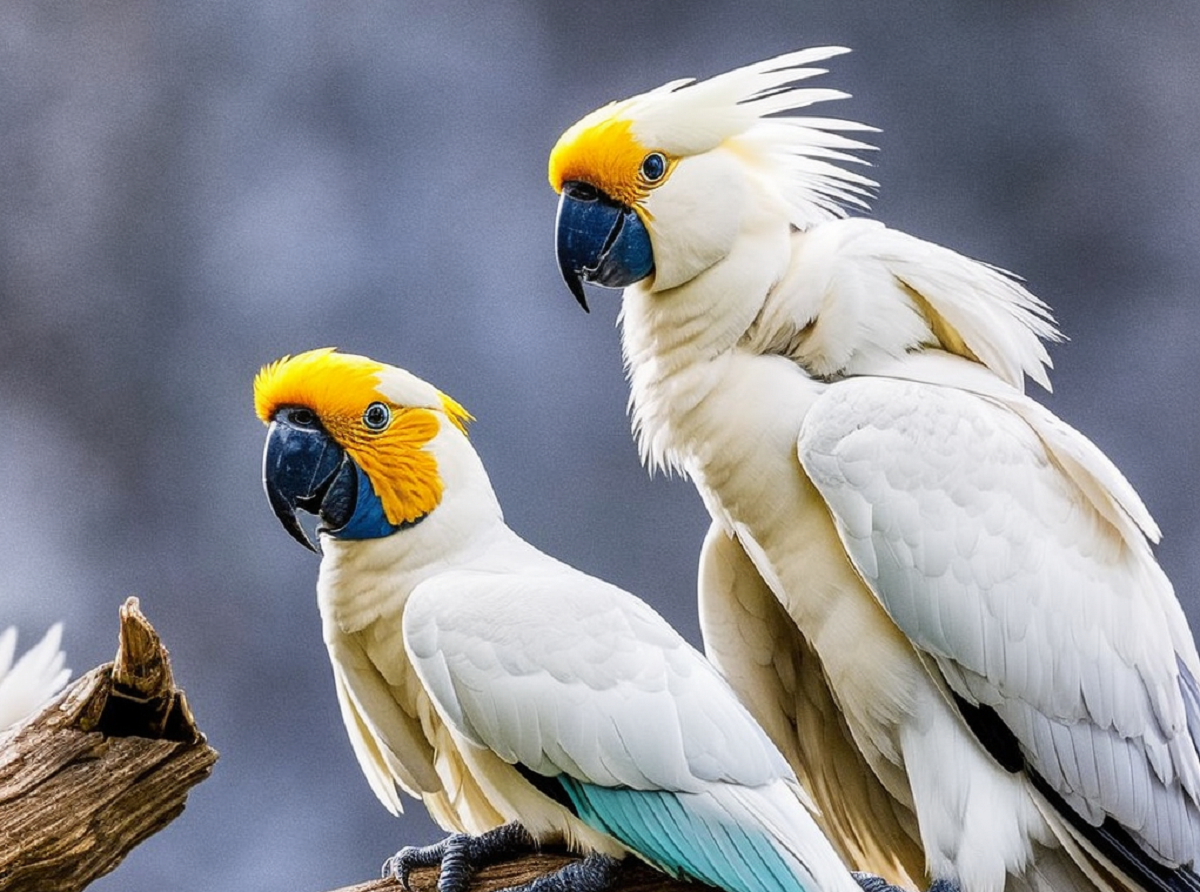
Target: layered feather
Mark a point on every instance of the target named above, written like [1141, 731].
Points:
[750, 638]
[857, 291]
[726, 836]
[1012, 574]
[578, 681]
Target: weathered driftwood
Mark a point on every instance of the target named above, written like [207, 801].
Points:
[634, 876]
[106, 764]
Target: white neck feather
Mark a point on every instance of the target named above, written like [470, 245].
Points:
[362, 580]
[670, 337]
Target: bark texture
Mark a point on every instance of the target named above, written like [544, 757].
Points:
[106, 764]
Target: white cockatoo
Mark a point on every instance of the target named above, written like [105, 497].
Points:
[938, 598]
[500, 685]
[37, 676]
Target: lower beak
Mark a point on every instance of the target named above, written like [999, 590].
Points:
[303, 468]
[599, 241]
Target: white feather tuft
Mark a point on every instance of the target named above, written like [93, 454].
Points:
[36, 677]
[803, 154]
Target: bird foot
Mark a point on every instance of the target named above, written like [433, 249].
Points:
[872, 883]
[459, 855]
[595, 873]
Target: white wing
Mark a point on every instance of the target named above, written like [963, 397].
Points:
[387, 740]
[35, 678]
[750, 638]
[857, 290]
[563, 673]
[1003, 552]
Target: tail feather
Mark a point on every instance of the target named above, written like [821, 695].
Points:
[700, 850]
[738, 838]
[1108, 850]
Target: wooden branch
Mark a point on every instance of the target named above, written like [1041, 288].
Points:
[634, 876]
[106, 764]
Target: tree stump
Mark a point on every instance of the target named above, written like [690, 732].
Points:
[106, 764]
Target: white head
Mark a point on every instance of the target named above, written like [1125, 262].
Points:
[658, 187]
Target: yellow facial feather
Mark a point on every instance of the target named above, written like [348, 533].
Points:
[330, 383]
[405, 476]
[338, 388]
[456, 413]
[602, 150]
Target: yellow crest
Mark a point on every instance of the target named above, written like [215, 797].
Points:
[340, 388]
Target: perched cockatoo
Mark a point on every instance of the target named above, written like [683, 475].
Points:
[500, 685]
[33, 679]
[937, 597]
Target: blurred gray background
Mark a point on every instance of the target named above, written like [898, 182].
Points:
[190, 190]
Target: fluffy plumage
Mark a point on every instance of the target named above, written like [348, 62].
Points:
[36, 677]
[971, 592]
[479, 674]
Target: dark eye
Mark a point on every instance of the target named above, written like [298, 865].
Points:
[654, 166]
[377, 416]
[301, 417]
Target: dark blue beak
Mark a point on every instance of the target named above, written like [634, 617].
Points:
[599, 241]
[304, 469]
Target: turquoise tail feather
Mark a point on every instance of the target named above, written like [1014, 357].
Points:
[692, 835]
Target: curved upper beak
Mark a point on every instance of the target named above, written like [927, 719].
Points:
[599, 241]
[303, 468]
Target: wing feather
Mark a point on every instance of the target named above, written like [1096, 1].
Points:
[1051, 611]
[857, 291]
[752, 641]
[504, 656]
[388, 742]
[366, 748]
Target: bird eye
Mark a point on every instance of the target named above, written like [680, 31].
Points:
[301, 417]
[377, 416]
[654, 167]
